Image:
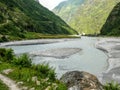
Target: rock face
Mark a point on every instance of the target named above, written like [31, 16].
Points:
[76, 80]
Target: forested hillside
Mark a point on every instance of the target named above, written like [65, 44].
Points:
[22, 18]
[112, 25]
[86, 16]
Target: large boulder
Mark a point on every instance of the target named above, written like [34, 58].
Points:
[76, 80]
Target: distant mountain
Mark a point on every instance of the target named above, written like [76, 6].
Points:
[20, 17]
[86, 16]
[66, 9]
[112, 25]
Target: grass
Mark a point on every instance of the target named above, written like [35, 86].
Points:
[112, 86]
[3, 86]
[25, 71]
[33, 35]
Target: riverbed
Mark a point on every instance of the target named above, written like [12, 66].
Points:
[87, 58]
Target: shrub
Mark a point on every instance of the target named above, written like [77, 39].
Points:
[45, 71]
[22, 61]
[6, 55]
[112, 86]
[3, 86]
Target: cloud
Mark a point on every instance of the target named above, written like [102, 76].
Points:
[50, 4]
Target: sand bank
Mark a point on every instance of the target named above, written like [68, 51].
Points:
[33, 42]
[111, 46]
[57, 53]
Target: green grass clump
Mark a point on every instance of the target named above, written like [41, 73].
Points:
[3, 86]
[112, 86]
[25, 71]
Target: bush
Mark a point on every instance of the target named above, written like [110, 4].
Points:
[6, 55]
[112, 86]
[22, 61]
[3, 86]
[45, 71]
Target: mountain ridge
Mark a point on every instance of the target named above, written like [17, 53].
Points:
[19, 17]
[112, 24]
[89, 16]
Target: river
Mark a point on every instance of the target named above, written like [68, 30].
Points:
[88, 59]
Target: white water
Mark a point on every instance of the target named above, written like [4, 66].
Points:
[89, 59]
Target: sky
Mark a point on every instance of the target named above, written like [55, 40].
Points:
[50, 4]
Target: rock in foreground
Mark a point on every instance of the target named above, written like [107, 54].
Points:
[76, 80]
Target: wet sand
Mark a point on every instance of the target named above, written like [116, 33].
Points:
[33, 42]
[111, 46]
[60, 53]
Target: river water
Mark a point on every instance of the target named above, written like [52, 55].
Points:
[89, 59]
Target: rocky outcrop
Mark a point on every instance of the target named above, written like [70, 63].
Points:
[76, 80]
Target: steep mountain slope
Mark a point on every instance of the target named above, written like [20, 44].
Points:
[18, 17]
[112, 25]
[66, 9]
[88, 16]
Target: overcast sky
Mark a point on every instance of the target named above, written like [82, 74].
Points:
[50, 4]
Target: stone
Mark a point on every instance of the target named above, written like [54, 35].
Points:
[76, 80]
[34, 79]
[20, 83]
[24, 88]
[48, 88]
[7, 71]
[32, 88]
[38, 82]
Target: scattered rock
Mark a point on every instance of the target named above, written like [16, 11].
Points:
[38, 82]
[7, 71]
[20, 83]
[48, 88]
[76, 80]
[24, 88]
[32, 88]
[34, 79]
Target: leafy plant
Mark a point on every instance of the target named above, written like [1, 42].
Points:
[45, 70]
[6, 55]
[3, 86]
[112, 86]
[22, 61]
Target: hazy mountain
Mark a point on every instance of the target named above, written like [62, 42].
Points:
[112, 25]
[86, 16]
[19, 17]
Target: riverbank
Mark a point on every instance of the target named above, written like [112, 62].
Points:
[33, 42]
[111, 46]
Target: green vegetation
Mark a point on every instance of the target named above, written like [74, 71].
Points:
[17, 20]
[112, 25]
[112, 86]
[39, 76]
[3, 86]
[86, 16]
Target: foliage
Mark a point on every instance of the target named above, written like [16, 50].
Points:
[6, 55]
[16, 19]
[25, 71]
[22, 61]
[45, 71]
[112, 86]
[85, 16]
[3, 86]
[112, 25]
